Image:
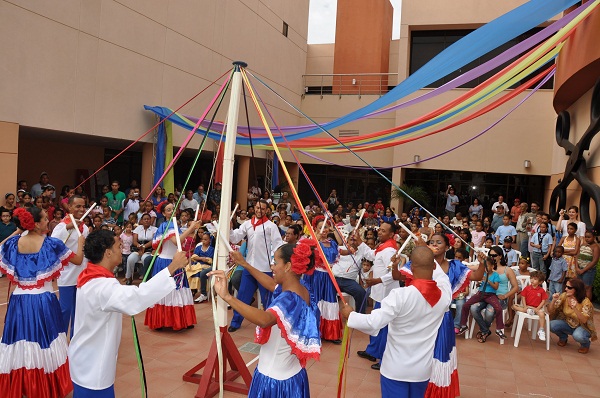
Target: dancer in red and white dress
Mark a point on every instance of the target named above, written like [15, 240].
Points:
[33, 350]
[176, 310]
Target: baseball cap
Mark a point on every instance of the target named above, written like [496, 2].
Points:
[508, 239]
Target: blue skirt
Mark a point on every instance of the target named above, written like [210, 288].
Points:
[444, 373]
[265, 387]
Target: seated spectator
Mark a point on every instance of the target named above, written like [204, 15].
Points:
[533, 300]
[510, 256]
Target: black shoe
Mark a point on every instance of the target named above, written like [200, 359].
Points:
[336, 342]
[363, 354]
[232, 329]
[376, 366]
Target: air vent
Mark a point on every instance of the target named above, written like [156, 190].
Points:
[348, 133]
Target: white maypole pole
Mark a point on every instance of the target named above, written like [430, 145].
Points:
[227, 183]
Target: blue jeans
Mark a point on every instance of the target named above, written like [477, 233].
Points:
[483, 314]
[554, 287]
[248, 286]
[537, 261]
[203, 279]
[459, 305]
[357, 292]
[563, 330]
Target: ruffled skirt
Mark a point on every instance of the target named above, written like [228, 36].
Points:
[324, 292]
[266, 387]
[444, 374]
[176, 310]
[33, 350]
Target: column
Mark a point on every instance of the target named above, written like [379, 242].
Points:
[147, 176]
[9, 156]
[243, 175]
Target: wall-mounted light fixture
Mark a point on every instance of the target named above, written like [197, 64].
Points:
[417, 159]
[527, 164]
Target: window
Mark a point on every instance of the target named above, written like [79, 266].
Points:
[426, 44]
[285, 29]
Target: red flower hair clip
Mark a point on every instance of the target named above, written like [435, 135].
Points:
[25, 218]
[316, 220]
[301, 257]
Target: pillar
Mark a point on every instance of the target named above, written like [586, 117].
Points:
[243, 176]
[147, 175]
[9, 155]
[398, 179]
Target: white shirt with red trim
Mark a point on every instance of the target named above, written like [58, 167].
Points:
[412, 329]
[262, 243]
[101, 303]
[68, 275]
[381, 259]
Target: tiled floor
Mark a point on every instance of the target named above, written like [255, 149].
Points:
[485, 370]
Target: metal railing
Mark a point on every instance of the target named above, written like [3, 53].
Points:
[349, 84]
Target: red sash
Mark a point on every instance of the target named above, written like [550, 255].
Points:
[67, 221]
[388, 243]
[428, 289]
[256, 222]
[93, 271]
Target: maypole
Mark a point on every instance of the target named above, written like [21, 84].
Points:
[223, 350]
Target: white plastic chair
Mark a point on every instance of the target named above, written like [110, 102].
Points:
[349, 299]
[520, 319]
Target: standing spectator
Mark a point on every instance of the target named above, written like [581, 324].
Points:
[510, 256]
[189, 202]
[132, 185]
[131, 204]
[478, 236]
[571, 244]
[515, 212]
[476, 209]
[451, 202]
[37, 188]
[214, 198]
[9, 202]
[333, 200]
[521, 227]
[22, 185]
[115, 201]
[573, 214]
[127, 239]
[58, 216]
[587, 261]
[541, 242]
[500, 203]
[158, 196]
[505, 230]
[558, 271]
[7, 227]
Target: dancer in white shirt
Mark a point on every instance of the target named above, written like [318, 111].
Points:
[101, 301]
[413, 315]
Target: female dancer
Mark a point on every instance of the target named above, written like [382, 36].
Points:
[176, 310]
[289, 328]
[319, 283]
[33, 351]
[444, 375]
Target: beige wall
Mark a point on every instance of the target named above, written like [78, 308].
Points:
[89, 66]
[9, 150]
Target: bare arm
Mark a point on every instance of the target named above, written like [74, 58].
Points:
[265, 280]
[261, 318]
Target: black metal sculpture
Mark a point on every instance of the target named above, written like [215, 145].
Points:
[576, 167]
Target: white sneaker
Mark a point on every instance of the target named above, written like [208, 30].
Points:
[542, 334]
[201, 298]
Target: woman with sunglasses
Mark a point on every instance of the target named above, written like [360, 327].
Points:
[572, 313]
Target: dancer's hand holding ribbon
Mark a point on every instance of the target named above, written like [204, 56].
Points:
[179, 261]
[220, 284]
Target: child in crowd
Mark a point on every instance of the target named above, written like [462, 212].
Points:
[371, 243]
[541, 242]
[571, 244]
[127, 240]
[511, 257]
[7, 227]
[58, 216]
[365, 272]
[487, 294]
[489, 242]
[108, 220]
[558, 271]
[133, 219]
[97, 223]
[533, 299]
[523, 267]
[460, 254]
[478, 236]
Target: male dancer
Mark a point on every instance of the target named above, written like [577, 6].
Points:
[102, 301]
[67, 280]
[414, 315]
[263, 239]
[381, 285]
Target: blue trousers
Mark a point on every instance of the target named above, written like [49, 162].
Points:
[248, 286]
[563, 330]
[402, 389]
[377, 344]
[357, 292]
[66, 298]
[82, 392]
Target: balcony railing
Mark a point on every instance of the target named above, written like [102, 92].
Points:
[349, 84]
